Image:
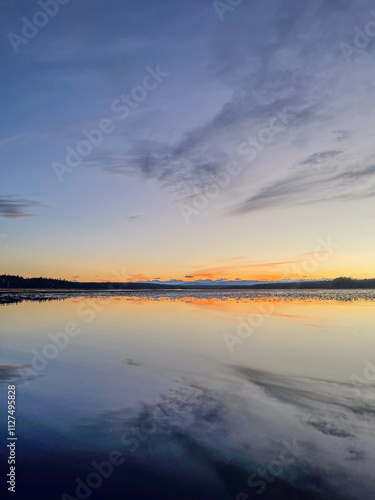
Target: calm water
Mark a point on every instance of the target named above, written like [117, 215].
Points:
[213, 396]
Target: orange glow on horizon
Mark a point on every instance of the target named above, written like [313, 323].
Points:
[300, 267]
[261, 277]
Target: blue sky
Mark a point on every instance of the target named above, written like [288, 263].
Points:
[284, 89]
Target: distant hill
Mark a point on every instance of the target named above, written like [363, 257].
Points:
[8, 281]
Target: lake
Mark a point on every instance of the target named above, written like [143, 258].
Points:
[191, 394]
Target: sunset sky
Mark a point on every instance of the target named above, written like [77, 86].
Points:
[236, 142]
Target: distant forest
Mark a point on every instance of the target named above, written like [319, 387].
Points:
[9, 281]
[18, 282]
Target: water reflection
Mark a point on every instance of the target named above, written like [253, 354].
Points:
[288, 414]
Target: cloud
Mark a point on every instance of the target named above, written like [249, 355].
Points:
[229, 259]
[342, 135]
[348, 179]
[133, 362]
[318, 158]
[137, 277]
[9, 139]
[329, 428]
[9, 373]
[242, 264]
[311, 395]
[134, 218]
[300, 69]
[190, 421]
[12, 207]
[235, 428]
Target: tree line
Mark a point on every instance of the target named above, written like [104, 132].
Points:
[8, 281]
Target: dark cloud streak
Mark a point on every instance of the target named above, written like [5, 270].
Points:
[12, 207]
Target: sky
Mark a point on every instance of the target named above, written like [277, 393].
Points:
[158, 140]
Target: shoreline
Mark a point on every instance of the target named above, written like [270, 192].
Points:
[16, 296]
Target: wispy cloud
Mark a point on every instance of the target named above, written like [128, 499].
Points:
[318, 158]
[295, 69]
[10, 373]
[12, 207]
[241, 264]
[342, 135]
[343, 180]
[134, 218]
[9, 139]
